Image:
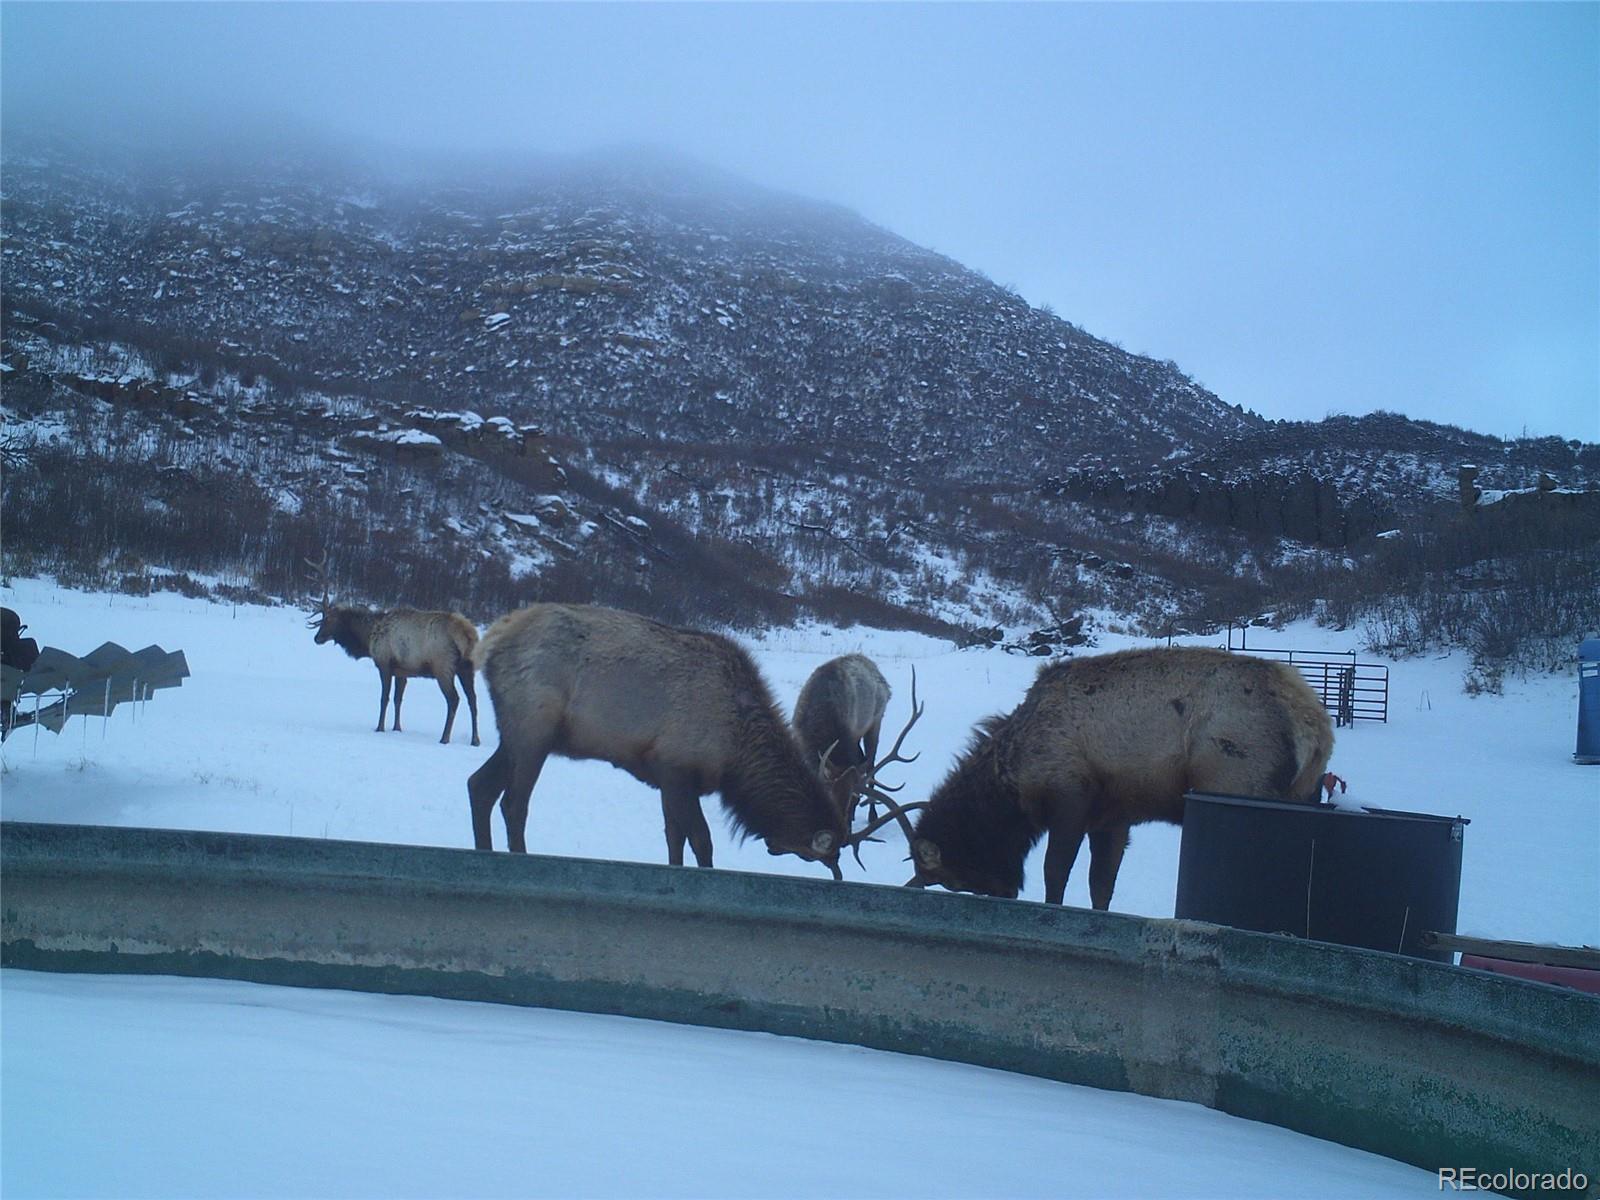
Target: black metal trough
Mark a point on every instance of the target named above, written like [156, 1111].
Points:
[1374, 878]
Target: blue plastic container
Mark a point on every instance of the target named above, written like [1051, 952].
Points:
[1588, 750]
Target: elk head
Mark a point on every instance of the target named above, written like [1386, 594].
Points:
[346, 627]
[318, 618]
[964, 841]
[824, 848]
[929, 867]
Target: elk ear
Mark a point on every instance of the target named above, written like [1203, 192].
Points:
[927, 854]
[824, 843]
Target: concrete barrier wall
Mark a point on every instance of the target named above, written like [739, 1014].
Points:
[1419, 1061]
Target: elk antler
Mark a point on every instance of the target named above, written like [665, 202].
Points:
[877, 793]
[318, 575]
[897, 812]
[823, 765]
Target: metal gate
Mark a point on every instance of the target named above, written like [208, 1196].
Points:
[1352, 691]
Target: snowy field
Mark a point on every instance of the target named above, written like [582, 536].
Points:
[161, 1088]
[273, 734]
[180, 1087]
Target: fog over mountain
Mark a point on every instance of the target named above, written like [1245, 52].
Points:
[1311, 209]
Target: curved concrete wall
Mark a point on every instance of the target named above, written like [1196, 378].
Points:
[1419, 1061]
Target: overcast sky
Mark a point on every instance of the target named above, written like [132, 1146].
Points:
[1312, 209]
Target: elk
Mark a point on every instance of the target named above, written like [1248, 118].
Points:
[679, 710]
[405, 643]
[1104, 743]
[838, 719]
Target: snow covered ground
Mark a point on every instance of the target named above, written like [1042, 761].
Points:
[181, 1087]
[274, 734]
[154, 1087]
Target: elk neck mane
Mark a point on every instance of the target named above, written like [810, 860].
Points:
[764, 788]
[986, 762]
[351, 630]
[979, 804]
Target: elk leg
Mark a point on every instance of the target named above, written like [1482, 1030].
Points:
[1066, 835]
[514, 808]
[399, 694]
[464, 673]
[853, 767]
[447, 685]
[1105, 858]
[869, 744]
[674, 831]
[485, 786]
[699, 833]
[674, 825]
[683, 820]
[383, 700]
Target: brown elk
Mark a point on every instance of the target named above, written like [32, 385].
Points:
[405, 643]
[1104, 743]
[839, 718]
[679, 710]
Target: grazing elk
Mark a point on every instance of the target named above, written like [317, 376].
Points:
[838, 718]
[1104, 743]
[405, 643]
[17, 652]
[682, 711]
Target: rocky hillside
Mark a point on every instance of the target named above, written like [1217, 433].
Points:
[600, 299]
[633, 381]
[1332, 482]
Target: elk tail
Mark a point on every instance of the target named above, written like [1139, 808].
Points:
[1313, 746]
[464, 635]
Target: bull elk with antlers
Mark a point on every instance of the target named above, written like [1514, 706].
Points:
[1101, 744]
[403, 643]
[682, 711]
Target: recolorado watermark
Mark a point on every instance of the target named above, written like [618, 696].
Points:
[1471, 1179]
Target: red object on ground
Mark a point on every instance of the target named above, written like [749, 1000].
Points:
[1572, 977]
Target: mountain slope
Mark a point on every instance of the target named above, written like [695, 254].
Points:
[630, 380]
[1331, 482]
[601, 300]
